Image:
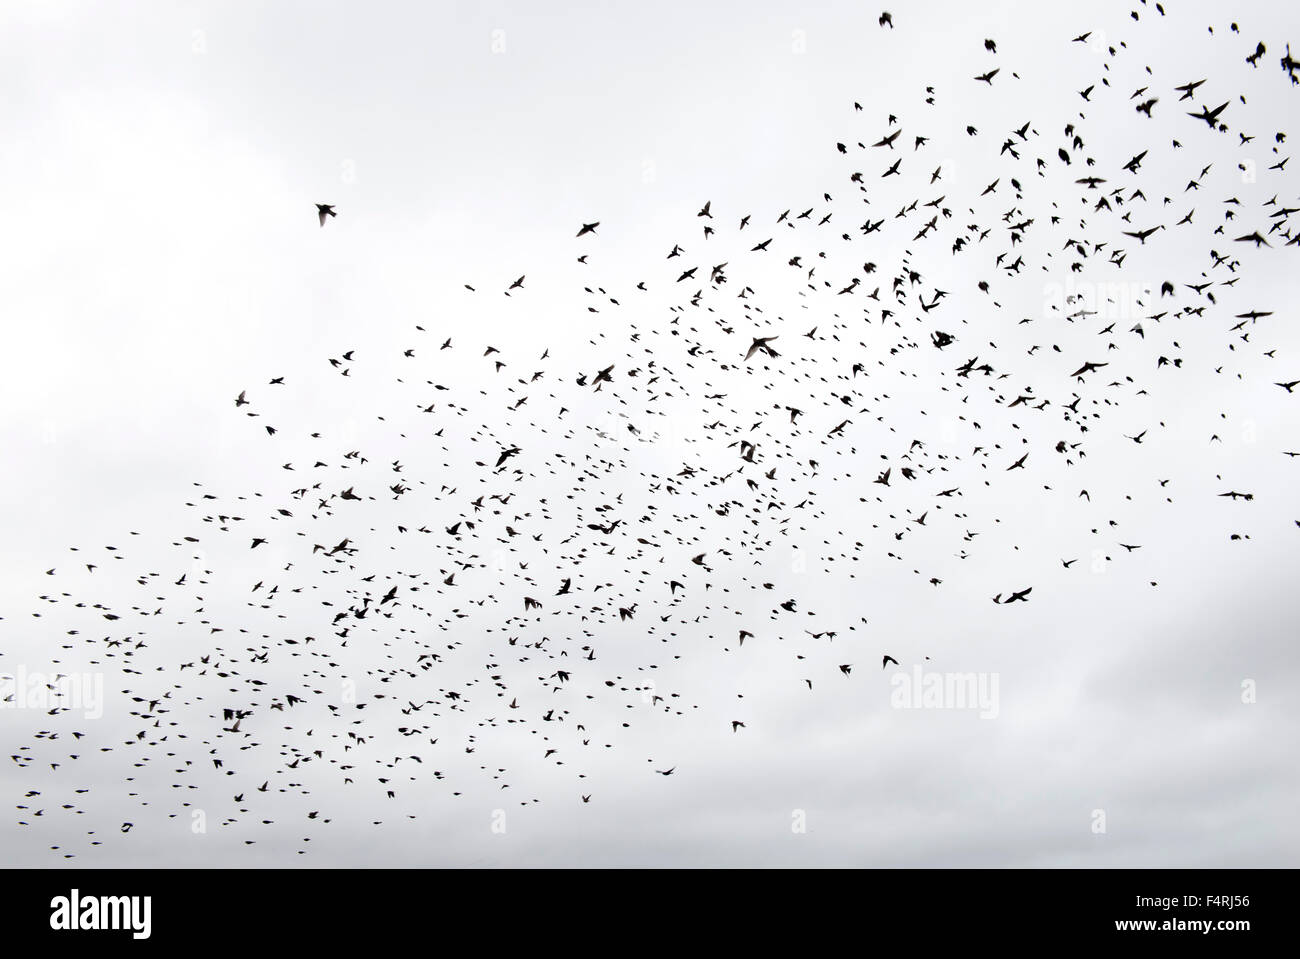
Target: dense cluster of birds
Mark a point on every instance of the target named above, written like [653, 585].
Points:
[676, 490]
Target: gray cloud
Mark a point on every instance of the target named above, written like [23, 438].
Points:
[161, 251]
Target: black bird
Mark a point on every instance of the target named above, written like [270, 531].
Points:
[1211, 117]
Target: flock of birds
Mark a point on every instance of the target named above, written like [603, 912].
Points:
[526, 585]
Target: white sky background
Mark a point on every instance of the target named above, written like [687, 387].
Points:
[157, 181]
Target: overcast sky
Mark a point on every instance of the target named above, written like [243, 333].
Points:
[158, 175]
